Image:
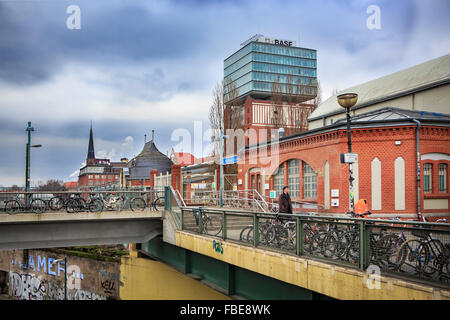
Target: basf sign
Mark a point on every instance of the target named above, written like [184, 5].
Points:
[278, 42]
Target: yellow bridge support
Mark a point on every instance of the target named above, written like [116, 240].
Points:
[331, 280]
[145, 279]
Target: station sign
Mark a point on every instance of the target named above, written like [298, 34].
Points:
[349, 158]
[230, 160]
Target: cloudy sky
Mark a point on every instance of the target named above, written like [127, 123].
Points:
[134, 66]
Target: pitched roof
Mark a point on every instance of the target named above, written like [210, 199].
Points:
[149, 159]
[395, 114]
[91, 153]
[420, 77]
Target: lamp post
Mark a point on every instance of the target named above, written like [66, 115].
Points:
[29, 129]
[347, 101]
[65, 274]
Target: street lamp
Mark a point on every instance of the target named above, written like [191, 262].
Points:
[29, 129]
[65, 274]
[347, 101]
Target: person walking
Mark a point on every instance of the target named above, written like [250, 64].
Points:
[284, 201]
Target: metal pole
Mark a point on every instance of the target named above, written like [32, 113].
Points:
[350, 165]
[27, 165]
[221, 170]
[65, 277]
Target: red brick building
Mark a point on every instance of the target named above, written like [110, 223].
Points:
[309, 163]
[98, 172]
[400, 121]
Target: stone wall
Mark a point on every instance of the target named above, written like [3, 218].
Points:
[43, 279]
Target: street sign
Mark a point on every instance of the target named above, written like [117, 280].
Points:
[230, 160]
[273, 194]
[349, 158]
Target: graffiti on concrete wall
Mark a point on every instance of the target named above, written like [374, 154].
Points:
[31, 287]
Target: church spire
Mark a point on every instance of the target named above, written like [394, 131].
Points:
[91, 153]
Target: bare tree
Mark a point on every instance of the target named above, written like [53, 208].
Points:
[276, 101]
[224, 94]
[51, 185]
[318, 98]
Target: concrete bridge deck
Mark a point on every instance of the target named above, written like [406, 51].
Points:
[61, 229]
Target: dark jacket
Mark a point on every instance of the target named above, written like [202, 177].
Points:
[285, 204]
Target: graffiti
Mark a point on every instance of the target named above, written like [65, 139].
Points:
[86, 295]
[217, 246]
[27, 287]
[31, 287]
[48, 265]
[108, 286]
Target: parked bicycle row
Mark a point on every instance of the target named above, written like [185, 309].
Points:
[420, 252]
[82, 202]
[394, 246]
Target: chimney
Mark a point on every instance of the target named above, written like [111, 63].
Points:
[153, 136]
[145, 138]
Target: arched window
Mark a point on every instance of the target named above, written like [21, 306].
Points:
[443, 177]
[293, 178]
[278, 180]
[309, 182]
[427, 177]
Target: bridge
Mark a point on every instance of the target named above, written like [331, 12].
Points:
[67, 219]
[61, 229]
[233, 251]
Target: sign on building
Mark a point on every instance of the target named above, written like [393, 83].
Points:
[230, 160]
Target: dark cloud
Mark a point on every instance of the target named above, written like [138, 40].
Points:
[36, 43]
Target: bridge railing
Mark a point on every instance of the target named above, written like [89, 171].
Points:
[405, 248]
[40, 202]
[244, 199]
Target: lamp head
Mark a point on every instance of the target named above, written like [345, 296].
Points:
[347, 100]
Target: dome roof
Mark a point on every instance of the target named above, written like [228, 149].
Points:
[149, 159]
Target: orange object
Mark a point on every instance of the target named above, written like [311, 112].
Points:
[361, 206]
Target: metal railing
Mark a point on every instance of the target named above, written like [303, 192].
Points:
[40, 202]
[413, 249]
[243, 199]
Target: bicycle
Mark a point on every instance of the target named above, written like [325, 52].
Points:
[18, 204]
[78, 204]
[425, 255]
[212, 225]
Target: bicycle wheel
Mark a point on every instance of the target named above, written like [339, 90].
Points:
[158, 204]
[12, 206]
[348, 247]
[56, 203]
[213, 225]
[250, 234]
[412, 257]
[243, 235]
[96, 205]
[435, 251]
[330, 246]
[38, 205]
[315, 247]
[137, 204]
[73, 206]
[387, 250]
[278, 237]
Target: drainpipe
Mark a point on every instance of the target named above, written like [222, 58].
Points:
[418, 167]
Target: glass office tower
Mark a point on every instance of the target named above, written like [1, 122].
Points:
[261, 62]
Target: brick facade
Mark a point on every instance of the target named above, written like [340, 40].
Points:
[369, 143]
